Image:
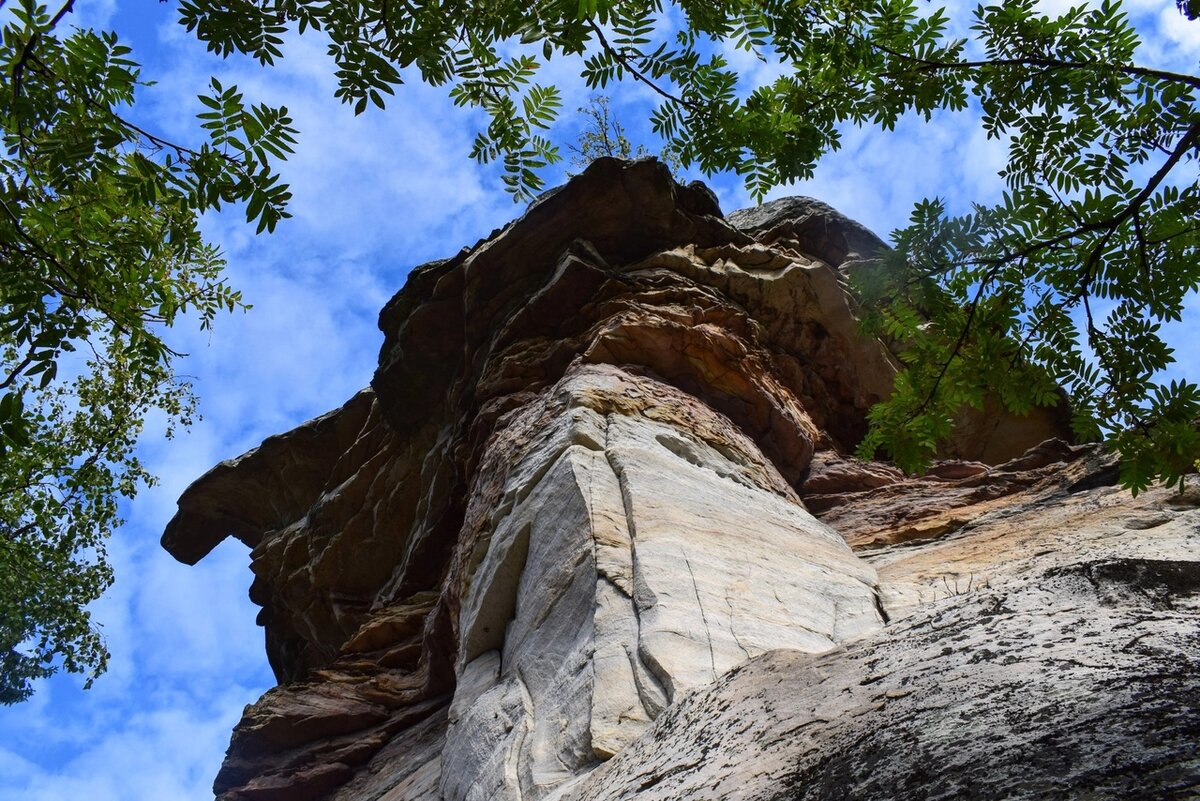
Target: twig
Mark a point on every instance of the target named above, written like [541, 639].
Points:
[634, 72]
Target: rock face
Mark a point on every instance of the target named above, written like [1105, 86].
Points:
[593, 533]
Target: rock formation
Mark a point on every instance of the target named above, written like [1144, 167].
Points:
[593, 533]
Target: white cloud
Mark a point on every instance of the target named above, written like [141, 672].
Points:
[186, 659]
[359, 182]
[97, 14]
[1180, 32]
[165, 753]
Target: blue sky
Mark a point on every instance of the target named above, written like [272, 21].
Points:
[374, 196]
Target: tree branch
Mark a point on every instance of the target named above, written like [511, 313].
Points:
[958, 343]
[15, 373]
[1132, 70]
[1190, 140]
[619, 56]
[18, 72]
[1057, 64]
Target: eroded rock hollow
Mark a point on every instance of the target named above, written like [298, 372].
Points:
[593, 533]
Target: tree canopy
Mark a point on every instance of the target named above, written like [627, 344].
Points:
[1064, 283]
[100, 254]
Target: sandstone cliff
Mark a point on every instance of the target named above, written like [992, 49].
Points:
[593, 533]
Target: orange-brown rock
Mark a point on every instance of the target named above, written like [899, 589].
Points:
[602, 464]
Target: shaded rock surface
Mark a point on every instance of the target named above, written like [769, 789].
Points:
[593, 532]
[1074, 682]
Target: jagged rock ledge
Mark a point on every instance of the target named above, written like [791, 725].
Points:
[592, 533]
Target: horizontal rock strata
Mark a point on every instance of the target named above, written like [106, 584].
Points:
[593, 533]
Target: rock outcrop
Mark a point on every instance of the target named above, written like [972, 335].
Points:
[593, 533]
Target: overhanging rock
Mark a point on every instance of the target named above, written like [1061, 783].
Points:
[593, 532]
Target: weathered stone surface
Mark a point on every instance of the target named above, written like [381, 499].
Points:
[871, 512]
[600, 489]
[809, 226]
[629, 559]
[265, 489]
[1041, 690]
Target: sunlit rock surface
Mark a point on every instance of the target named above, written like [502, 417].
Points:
[594, 533]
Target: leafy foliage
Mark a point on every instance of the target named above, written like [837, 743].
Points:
[100, 253]
[604, 135]
[1068, 280]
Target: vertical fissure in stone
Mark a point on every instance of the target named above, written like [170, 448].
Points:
[649, 702]
[703, 615]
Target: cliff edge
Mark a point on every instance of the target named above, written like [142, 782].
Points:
[593, 533]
